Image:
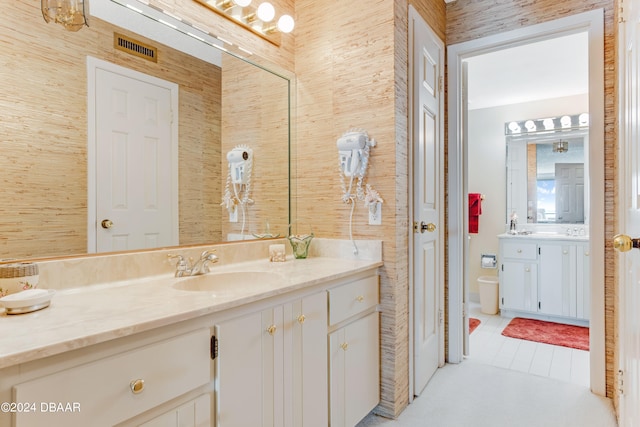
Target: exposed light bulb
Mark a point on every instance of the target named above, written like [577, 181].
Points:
[242, 3]
[530, 125]
[266, 12]
[286, 24]
[583, 119]
[565, 121]
[548, 124]
[514, 127]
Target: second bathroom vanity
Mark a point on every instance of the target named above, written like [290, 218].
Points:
[546, 276]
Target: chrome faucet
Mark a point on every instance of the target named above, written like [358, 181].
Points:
[188, 268]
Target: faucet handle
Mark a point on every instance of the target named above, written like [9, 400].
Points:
[181, 265]
[206, 253]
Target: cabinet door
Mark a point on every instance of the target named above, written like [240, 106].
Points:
[239, 372]
[557, 279]
[583, 281]
[518, 282]
[307, 362]
[272, 366]
[354, 371]
[196, 413]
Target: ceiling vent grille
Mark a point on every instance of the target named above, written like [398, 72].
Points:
[135, 47]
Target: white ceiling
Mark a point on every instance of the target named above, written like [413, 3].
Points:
[542, 70]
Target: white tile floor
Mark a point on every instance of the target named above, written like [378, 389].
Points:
[507, 383]
[487, 345]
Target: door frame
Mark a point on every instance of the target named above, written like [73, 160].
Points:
[413, 15]
[92, 220]
[593, 23]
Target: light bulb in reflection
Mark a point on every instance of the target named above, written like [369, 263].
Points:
[565, 121]
[548, 124]
[286, 24]
[266, 12]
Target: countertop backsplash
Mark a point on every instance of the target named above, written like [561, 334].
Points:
[69, 273]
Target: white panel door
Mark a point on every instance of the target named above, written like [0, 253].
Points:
[629, 202]
[135, 167]
[427, 125]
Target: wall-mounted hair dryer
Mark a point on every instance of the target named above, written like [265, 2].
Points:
[353, 149]
[353, 153]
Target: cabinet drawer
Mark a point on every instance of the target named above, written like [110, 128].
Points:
[519, 250]
[352, 298]
[101, 391]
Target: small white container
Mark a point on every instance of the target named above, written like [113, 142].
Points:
[18, 277]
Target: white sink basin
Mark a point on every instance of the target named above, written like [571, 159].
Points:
[229, 283]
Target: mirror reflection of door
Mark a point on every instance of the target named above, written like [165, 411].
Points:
[569, 190]
[135, 160]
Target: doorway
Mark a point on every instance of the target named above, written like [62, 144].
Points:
[590, 24]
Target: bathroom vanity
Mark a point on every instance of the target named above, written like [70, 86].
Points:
[299, 349]
[545, 276]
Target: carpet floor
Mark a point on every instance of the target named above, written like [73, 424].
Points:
[548, 332]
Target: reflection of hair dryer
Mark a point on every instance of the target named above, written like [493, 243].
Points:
[237, 159]
[351, 150]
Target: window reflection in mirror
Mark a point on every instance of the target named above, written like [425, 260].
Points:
[547, 177]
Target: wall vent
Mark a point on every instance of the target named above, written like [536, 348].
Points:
[135, 47]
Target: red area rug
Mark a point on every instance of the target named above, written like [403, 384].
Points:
[473, 324]
[548, 332]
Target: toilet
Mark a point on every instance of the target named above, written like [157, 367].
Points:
[488, 287]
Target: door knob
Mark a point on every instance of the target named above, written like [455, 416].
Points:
[431, 227]
[624, 243]
[106, 223]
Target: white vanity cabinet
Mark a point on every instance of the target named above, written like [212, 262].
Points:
[545, 277]
[271, 366]
[354, 351]
[114, 389]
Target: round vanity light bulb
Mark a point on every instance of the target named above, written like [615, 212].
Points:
[565, 121]
[242, 3]
[530, 125]
[286, 24]
[514, 127]
[266, 12]
[583, 119]
[548, 124]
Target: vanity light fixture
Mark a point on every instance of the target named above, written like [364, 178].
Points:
[71, 14]
[561, 146]
[547, 125]
[256, 19]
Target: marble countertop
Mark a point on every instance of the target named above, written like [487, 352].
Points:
[545, 236]
[83, 316]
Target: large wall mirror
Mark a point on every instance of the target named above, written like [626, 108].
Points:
[547, 171]
[58, 143]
